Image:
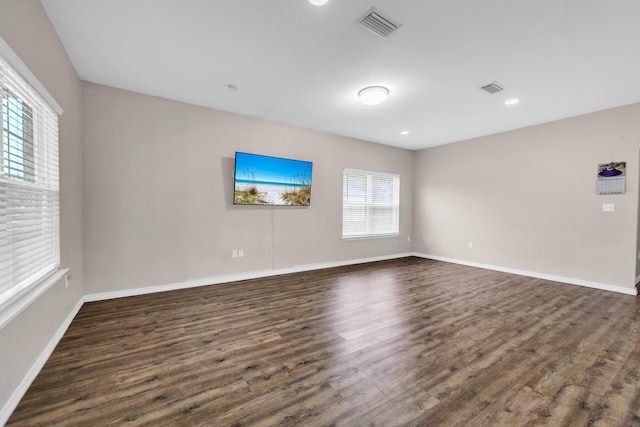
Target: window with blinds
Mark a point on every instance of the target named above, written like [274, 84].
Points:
[29, 186]
[370, 204]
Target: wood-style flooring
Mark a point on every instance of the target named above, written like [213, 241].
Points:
[408, 342]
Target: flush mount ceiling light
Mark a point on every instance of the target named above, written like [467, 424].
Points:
[318, 2]
[513, 101]
[373, 95]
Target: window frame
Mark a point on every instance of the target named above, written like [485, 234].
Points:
[41, 189]
[372, 206]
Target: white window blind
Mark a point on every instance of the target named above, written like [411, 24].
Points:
[29, 185]
[370, 204]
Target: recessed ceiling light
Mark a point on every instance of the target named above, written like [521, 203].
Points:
[513, 101]
[318, 2]
[373, 95]
[404, 132]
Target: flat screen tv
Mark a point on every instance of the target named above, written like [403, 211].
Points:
[271, 181]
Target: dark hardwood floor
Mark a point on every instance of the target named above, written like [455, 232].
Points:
[408, 342]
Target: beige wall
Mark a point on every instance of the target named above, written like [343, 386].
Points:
[25, 27]
[158, 193]
[527, 199]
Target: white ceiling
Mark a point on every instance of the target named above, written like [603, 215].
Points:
[303, 65]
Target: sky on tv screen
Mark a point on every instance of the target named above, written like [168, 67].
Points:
[259, 168]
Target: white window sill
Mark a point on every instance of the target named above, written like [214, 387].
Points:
[13, 306]
[370, 236]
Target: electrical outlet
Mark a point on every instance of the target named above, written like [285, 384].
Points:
[470, 245]
[608, 207]
[234, 253]
[240, 253]
[408, 238]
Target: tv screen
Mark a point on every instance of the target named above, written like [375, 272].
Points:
[271, 181]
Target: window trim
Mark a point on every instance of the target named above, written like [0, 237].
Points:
[20, 66]
[395, 204]
[18, 298]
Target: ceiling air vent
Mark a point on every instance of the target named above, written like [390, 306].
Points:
[493, 87]
[378, 24]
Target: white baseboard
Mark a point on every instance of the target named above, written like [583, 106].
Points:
[563, 279]
[31, 375]
[213, 280]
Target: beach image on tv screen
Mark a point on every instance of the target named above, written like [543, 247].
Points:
[265, 180]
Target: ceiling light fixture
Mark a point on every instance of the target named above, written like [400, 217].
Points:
[373, 95]
[513, 101]
[318, 2]
[404, 132]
